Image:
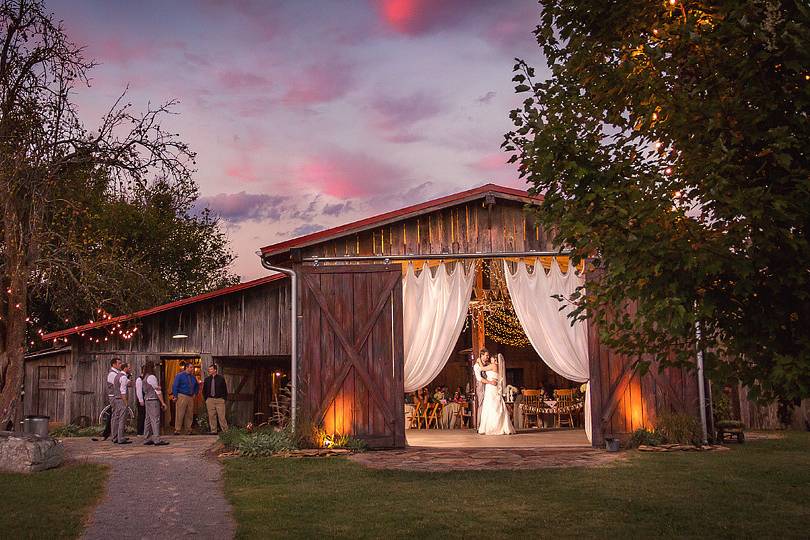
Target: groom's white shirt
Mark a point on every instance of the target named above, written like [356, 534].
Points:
[477, 372]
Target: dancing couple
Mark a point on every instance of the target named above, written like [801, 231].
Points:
[493, 414]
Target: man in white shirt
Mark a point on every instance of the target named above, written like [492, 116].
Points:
[120, 404]
[152, 395]
[115, 368]
[139, 396]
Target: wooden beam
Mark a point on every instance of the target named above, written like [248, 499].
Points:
[617, 390]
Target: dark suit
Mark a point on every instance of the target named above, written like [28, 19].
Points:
[215, 392]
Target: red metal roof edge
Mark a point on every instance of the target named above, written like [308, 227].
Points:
[280, 247]
[164, 307]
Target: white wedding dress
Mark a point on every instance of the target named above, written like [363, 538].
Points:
[494, 414]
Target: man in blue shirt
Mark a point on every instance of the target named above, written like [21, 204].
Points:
[184, 389]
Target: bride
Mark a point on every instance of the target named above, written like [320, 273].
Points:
[494, 415]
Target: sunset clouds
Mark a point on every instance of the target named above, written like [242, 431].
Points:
[307, 114]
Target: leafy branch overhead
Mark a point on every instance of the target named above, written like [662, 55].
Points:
[670, 140]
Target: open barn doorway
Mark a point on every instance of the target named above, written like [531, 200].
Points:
[546, 408]
[258, 389]
[170, 366]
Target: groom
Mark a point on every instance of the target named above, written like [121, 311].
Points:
[482, 361]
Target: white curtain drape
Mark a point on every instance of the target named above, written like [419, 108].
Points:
[434, 309]
[564, 347]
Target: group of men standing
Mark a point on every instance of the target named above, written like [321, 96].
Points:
[150, 401]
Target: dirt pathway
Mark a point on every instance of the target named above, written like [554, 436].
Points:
[165, 492]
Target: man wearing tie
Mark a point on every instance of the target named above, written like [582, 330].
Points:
[215, 391]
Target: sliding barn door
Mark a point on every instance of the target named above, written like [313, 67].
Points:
[352, 351]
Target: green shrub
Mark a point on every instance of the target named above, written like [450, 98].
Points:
[72, 430]
[679, 429]
[721, 404]
[231, 437]
[646, 437]
[265, 443]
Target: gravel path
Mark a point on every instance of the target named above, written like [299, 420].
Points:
[164, 492]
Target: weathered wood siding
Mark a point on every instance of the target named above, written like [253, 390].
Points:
[623, 401]
[497, 225]
[45, 386]
[251, 323]
[352, 351]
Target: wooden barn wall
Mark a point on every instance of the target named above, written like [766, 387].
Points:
[248, 324]
[623, 401]
[45, 386]
[466, 228]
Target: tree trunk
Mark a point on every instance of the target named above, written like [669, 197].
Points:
[14, 352]
[16, 312]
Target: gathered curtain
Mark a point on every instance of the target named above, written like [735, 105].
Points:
[434, 309]
[561, 345]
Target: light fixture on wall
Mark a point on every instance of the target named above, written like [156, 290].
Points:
[180, 334]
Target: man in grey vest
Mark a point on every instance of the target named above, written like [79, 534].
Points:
[113, 396]
[120, 404]
[153, 403]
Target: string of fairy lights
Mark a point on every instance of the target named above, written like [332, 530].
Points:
[109, 329]
[501, 323]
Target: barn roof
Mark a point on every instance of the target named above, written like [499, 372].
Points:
[165, 307]
[401, 214]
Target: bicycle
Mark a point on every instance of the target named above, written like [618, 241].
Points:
[129, 417]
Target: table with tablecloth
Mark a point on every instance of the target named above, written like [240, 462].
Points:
[546, 418]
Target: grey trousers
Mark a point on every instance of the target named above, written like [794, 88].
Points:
[151, 425]
[119, 416]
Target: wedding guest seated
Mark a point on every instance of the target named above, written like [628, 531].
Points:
[422, 396]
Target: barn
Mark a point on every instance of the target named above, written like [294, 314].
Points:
[244, 329]
[332, 322]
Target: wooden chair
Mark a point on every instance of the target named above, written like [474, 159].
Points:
[433, 416]
[419, 417]
[465, 416]
[564, 407]
[531, 407]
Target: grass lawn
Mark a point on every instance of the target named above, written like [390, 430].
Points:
[759, 489]
[49, 504]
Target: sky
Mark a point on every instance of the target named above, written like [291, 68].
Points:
[309, 114]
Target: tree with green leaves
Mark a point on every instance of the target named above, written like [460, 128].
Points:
[671, 140]
[88, 218]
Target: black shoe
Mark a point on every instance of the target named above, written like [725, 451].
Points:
[149, 443]
[162, 443]
[125, 442]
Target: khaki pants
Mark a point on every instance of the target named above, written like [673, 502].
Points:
[216, 409]
[184, 413]
[151, 425]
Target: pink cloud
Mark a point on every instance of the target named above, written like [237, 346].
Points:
[491, 162]
[397, 116]
[494, 168]
[345, 175]
[319, 83]
[415, 17]
[244, 172]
